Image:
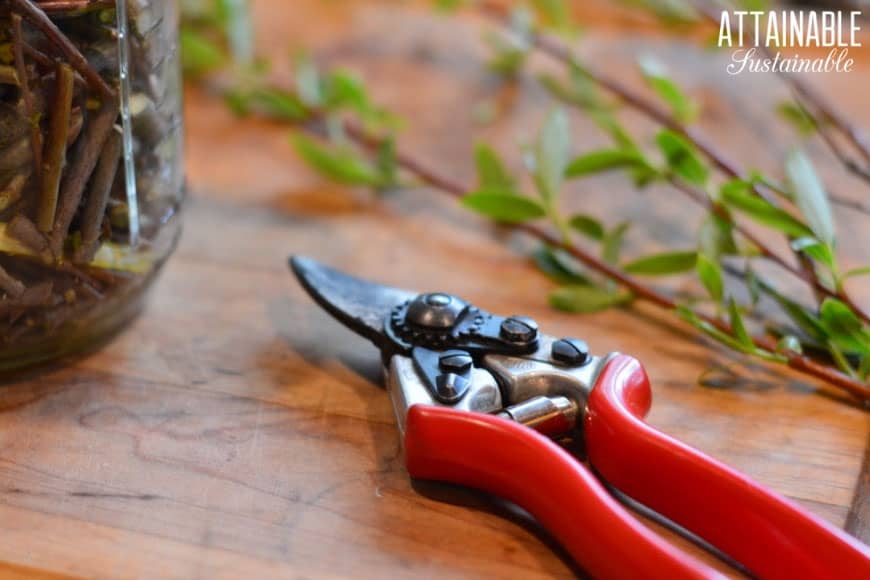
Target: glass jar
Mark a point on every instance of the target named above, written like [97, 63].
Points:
[91, 175]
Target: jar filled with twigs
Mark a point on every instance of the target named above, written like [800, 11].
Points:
[90, 167]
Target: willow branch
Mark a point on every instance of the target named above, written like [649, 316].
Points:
[559, 52]
[454, 189]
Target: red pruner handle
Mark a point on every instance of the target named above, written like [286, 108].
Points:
[770, 535]
[518, 464]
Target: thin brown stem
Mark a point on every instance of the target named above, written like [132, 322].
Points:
[850, 164]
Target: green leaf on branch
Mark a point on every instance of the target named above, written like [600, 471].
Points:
[663, 264]
[611, 125]
[578, 90]
[507, 61]
[555, 15]
[559, 266]
[682, 107]
[737, 326]
[642, 174]
[681, 158]
[344, 90]
[504, 206]
[511, 51]
[797, 117]
[689, 316]
[716, 237]
[810, 196]
[339, 165]
[753, 284]
[583, 299]
[448, 5]
[199, 54]
[724, 338]
[805, 319]
[271, 102]
[840, 359]
[588, 226]
[675, 13]
[611, 245]
[737, 194]
[821, 253]
[606, 160]
[844, 328]
[863, 271]
[387, 164]
[552, 154]
[491, 171]
[710, 274]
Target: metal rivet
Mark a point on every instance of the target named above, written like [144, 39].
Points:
[438, 299]
[519, 329]
[451, 387]
[455, 361]
[570, 351]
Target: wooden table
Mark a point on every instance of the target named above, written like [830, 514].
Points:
[235, 430]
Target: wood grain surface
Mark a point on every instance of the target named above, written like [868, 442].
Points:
[235, 430]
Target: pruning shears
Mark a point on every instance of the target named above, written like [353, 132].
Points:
[484, 401]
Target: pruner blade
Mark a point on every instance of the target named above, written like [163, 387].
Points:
[360, 305]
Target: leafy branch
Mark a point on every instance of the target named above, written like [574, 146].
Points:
[753, 195]
[361, 149]
[682, 109]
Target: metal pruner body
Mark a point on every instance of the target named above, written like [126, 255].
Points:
[483, 401]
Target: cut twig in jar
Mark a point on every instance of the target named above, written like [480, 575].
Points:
[38, 56]
[18, 45]
[76, 123]
[15, 156]
[11, 192]
[55, 148]
[85, 155]
[74, 6]
[11, 285]
[98, 197]
[9, 76]
[26, 232]
[32, 297]
[61, 164]
[75, 58]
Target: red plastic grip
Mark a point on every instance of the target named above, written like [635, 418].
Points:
[517, 464]
[771, 536]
